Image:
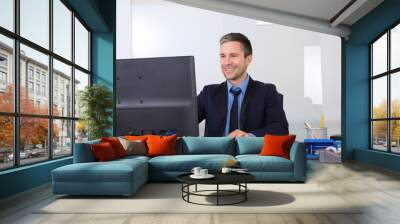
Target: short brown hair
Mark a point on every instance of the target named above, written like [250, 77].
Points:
[248, 50]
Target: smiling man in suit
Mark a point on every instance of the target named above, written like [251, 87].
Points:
[240, 106]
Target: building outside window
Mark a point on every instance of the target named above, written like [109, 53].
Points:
[43, 90]
[30, 72]
[3, 72]
[30, 87]
[385, 91]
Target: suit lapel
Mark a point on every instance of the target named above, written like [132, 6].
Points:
[222, 96]
[247, 97]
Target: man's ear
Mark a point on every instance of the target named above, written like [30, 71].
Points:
[249, 58]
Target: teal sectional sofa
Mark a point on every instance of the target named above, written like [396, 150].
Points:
[125, 176]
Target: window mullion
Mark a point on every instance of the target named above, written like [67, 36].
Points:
[16, 70]
[389, 106]
[50, 81]
[73, 82]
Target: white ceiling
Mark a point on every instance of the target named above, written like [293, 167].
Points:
[320, 9]
[315, 15]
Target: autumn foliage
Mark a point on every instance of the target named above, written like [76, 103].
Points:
[33, 131]
[380, 127]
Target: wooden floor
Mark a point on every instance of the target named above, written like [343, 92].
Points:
[378, 189]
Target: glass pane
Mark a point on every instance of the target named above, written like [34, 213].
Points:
[379, 135]
[81, 45]
[62, 133]
[6, 142]
[395, 136]
[62, 29]
[6, 74]
[81, 81]
[33, 139]
[379, 97]
[81, 131]
[379, 55]
[395, 94]
[7, 14]
[395, 47]
[35, 21]
[62, 89]
[34, 97]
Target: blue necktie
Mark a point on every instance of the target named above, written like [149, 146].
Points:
[234, 116]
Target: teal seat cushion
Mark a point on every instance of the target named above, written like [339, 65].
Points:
[249, 145]
[257, 163]
[185, 163]
[111, 171]
[208, 145]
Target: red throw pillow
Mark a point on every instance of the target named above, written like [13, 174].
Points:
[103, 151]
[116, 145]
[161, 145]
[277, 145]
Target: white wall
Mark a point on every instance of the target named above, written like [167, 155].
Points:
[160, 28]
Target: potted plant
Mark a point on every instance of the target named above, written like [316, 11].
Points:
[96, 102]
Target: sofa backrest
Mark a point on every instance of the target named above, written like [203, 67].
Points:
[249, 145]
[207, 145]
[83, 152]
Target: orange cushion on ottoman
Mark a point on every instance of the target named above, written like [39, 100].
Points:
[161, 145]
[277, 145]
[103, 151]
[116, 145]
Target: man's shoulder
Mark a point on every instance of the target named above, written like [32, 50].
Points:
[214, 87]
[264, 86]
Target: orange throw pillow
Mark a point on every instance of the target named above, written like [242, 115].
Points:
[103, 152]
[161, 145]
[136, 137]
[277, 145]
[116, 145]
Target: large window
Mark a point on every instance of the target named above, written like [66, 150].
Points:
[44, 63]
[385, 91]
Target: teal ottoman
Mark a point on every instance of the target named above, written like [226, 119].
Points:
[118, 177]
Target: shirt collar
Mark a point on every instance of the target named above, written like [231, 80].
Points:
[243, 85]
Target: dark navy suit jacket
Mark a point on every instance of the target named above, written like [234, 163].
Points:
[261, 113]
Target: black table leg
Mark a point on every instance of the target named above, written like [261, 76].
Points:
[217, 194]
[245, 193]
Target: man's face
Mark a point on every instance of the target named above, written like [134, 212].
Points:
[233, 62]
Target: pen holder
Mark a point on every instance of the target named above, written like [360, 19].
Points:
[317, 133]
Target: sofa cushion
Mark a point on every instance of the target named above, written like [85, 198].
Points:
[97, 172]
[185, 163]
[134, 147]
[257, 163]
[116, 145]
[208, 145]
[136, 137]
[277, 145]
[103, 152]
[161, 145]
[249, 145]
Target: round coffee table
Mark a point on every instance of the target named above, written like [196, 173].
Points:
[238, 179]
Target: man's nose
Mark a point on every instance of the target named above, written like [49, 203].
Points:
[227, 61]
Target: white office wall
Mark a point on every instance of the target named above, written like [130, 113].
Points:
[305, 66]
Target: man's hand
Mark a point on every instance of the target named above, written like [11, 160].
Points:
[238, 133]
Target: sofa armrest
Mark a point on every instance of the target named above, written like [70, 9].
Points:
[83, 152]
[299, 159]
